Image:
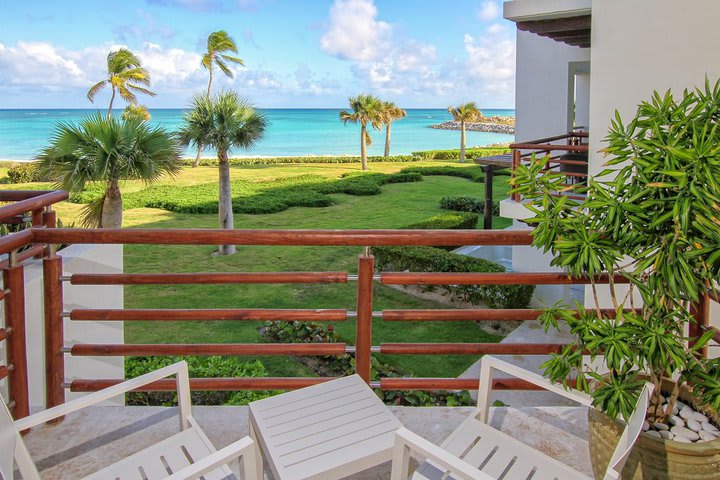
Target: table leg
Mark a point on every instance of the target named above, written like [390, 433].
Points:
[259, 467]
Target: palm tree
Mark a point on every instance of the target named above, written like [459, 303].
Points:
[125, 72]
[134, 111]
[390, 113]
[223, 122]
[364, 109]
[107, 150]
[467, 112]
[217, 43]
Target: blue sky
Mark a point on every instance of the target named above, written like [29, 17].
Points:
[298, 53]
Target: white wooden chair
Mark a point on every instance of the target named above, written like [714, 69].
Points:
[186, 455]
[477, 451]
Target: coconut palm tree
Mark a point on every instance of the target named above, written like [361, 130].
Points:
[134, 111]
[218, 43]
[390, 113]
[125, 75]
[222, 122]
[467, 112]
[364, 109]
[107, 150]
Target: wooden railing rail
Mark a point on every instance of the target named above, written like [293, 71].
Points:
[364, 315]
[574, 142]
[363, 347]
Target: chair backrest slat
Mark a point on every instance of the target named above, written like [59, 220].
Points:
[8, 440]
[630, 434]
[13, 449]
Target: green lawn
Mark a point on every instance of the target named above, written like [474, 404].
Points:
[397, 205]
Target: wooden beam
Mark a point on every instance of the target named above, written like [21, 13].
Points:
[556, 24]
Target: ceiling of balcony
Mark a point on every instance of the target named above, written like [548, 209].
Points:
[571, 30]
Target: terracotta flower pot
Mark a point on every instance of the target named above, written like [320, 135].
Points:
[652, 458]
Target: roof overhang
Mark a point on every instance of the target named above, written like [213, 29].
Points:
[566, 21]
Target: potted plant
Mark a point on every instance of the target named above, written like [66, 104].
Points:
[651, 221]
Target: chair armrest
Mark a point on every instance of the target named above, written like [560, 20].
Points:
[489, 363]
[242, 448]
[179, 369]
[407, 441]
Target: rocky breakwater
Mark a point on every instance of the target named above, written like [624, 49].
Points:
[487, 126]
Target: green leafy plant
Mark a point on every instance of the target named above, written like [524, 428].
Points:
[651, 216]
[199, 367]
[467, 204]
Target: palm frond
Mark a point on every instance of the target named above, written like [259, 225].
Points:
[223, 67]
[231, 59]
[95, 89]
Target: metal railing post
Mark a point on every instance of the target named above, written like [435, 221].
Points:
[54, 336]
[14, 284]
[363, 331]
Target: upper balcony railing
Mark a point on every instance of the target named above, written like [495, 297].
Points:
[568, 155]
[56, 346]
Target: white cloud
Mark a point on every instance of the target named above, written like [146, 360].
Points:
[39, 64]
[354, 31]
[34, 67]
[171, 66]
[491, 59]
[489, 10]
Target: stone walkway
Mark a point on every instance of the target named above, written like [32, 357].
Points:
[98, 436]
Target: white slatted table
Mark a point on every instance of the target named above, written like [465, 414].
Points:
[326, 431]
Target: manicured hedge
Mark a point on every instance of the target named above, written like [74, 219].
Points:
[283, 160]
[25, 173]
[254, 197]
[447, 221]
[474, 174]
[455, 154]
[467, 204]
[431, 259]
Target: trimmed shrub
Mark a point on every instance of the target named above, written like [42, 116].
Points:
[474, 174]
[254, 197]
[467, 204]
[455, 154]
[447, 221]
[209, 162]
[25, 173]
[431, 259]
[199, 367]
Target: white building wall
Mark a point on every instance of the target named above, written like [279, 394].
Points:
[542, 86]
[647, 45]
[544, 93]
[76, 259]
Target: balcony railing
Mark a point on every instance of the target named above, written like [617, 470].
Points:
[54, 313]
[568, 155]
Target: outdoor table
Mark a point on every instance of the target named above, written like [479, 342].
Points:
[489, 165]
[326, 431]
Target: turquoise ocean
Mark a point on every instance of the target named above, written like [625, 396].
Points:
[23, 133]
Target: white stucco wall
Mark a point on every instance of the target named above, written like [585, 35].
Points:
[76, 259]
[542, 85]
[647, 45]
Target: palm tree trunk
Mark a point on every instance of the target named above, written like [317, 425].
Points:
[363, 147]
[112, 99]
[112, 206]
[387, 139]
[462, 142]
[200, 147]
[225, 200]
